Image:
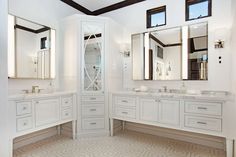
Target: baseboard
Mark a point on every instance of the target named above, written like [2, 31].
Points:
[205, 140]
[34, 137]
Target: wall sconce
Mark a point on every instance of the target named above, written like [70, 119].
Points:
[219, 44]
[125, 49]
[168, 70]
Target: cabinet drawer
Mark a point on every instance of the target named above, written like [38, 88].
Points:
[93, 98]
[24, 123]
[66, 114]
[97, 110]
[23, 108]
[67, 101]
[212, 124]
[125, 101]
[203, 108]
[89, 124]
[125, 113]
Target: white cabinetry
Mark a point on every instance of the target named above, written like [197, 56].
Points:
[169, 112]
[37, 112]
[46, 111]
[149, 110]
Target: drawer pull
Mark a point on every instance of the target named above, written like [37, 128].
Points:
[93, 123]
[93, 109]
[125, 112]
[24, 108]
[92, 98]
[202, 108]
[67, 114]
[66, 102]
[36, 102]
[125, 101]
[204, 123]
[25, 124]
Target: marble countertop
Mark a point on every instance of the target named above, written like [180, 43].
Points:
[38, 95]
[212, 96]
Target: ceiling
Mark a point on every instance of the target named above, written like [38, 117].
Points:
[93, 5]
[97, 7]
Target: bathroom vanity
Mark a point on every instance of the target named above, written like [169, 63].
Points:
[200, 113]
[29, 113]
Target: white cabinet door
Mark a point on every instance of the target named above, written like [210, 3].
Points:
[169, 112]
[46, 111]
[148, 110]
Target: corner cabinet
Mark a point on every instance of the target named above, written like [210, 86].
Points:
[93, 107]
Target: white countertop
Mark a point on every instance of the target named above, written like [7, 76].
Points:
[212, 97]
[38, 95]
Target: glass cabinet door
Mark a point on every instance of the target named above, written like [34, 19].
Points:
[92, 57]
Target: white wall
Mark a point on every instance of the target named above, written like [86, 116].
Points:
[4, 144]
[134, 19]
[46, 12]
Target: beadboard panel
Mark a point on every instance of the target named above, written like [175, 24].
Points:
[206, 140]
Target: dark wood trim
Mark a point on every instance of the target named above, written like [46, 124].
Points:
[32, 30]
[156, 40]
[116, 6]
[43, 30]
[155, 11]
[93, 36]
[172, 45]
[162, 44]
[102, 10]
[25, 28]
[192, 2]
[77, 6]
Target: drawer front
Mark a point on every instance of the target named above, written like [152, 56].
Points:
[67, 101]
[212, 124]
[125, 101]
[24, 123]
[97, 110]
[93, 98]
[90, 124]
[203, 108]
[67, 114]
[125, 113]
[23, 108]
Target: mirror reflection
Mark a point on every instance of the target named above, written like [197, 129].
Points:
[34, 49]
[173, 54]
[161, 58]
[198, 52]
[92, 55]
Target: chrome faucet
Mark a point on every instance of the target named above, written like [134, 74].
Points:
[35, 89]
[165, 88]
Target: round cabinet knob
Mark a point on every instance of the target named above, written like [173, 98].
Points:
[25, 124]
[24, 108]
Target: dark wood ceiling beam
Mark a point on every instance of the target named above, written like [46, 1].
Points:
[77, 6]
[156, 40]
[102, 10]
[116, 6]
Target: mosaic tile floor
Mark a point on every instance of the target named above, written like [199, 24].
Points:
[124, 144]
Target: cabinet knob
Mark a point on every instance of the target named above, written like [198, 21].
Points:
[24, 124]
[24, 108]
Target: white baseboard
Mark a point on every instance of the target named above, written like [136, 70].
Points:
[93, 134]
[210, 141]
[34, 137]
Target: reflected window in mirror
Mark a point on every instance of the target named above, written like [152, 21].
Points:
[156, 17]
[196, 9]
[198, 52]
[31, 53]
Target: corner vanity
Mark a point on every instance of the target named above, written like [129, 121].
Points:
[201, 113]
[29, 113]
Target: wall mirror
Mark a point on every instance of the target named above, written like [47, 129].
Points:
[157, 55]
[179, 53]
[31, 53]
[92, 57]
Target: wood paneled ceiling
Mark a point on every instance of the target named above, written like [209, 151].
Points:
[97, 7]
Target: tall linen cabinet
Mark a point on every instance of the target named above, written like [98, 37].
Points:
[92, 66]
